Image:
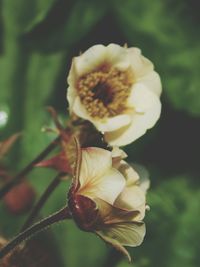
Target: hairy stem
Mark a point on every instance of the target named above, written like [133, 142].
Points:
[37, 227]
[34, 213]
[28, 168]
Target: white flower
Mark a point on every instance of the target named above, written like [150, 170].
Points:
[107, 198]
[116, 89]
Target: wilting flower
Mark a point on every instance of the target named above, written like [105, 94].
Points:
[116, 89]
[108, 198]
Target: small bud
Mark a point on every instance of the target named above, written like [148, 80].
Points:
[20, 198]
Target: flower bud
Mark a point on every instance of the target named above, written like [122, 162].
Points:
[107, 197]
[20, 198]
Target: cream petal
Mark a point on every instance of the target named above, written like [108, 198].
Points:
[148, 109]
[109, 214]
[117, 156]
[132, 198]
[129, 173]
[111, 124]
[90, 59]
[71, 97]
[144, 181]
[95, 163]
[106, 187]
[141, 98]
[138, 127]
[144, 184]
[152, 81]
[113, 242]
[126, 233]
[140, 64]
[79, 109]
[73, 76]
[118, 56]
[118, 153]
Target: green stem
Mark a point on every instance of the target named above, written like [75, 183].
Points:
[52, 186]
[28, 168]
[37, 227]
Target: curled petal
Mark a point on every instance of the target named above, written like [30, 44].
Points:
[118, 56]
[148, 108]
[78, 108]
[117, 156]
[109, 214]
[97, 177]
[111, 124]
[126, 233]
[104, 125]
[142, 99]
[153, 82]
[132, 198]
[106, 187]
[123, 234]
[140, 64]
[113, 242]
[95, 162]
[118, 153]
[129, 173]
[89, 60]
[144, 181]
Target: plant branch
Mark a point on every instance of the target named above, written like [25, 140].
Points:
[37, 227]
[28, 168]
[34, 213]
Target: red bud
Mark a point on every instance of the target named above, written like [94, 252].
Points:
[19, 199]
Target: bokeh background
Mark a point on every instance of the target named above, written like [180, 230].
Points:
[38, 39]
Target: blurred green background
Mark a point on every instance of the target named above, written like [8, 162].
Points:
[38, 39]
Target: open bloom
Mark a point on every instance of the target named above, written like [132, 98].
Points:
[108, 198]
[116, 89]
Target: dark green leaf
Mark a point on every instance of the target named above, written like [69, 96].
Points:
[166, 33]
[21, 16]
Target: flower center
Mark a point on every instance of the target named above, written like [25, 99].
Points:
[104, 92]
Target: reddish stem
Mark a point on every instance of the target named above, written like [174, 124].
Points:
[28, 168]
[61, 215]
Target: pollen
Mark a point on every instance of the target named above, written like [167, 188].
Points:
[104, 92]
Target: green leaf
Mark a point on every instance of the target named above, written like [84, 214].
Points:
[186, 246]
[41, 80]
[29, 83]
[82, 17]
[21, 16]
[165, 32]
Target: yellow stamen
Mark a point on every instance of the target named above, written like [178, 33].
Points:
[104, 92]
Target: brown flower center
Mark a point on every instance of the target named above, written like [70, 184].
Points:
[104, 92]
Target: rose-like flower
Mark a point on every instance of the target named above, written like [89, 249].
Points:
[108, 198]
[116, 89]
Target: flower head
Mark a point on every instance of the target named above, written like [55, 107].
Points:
[107, 198]
[116, 89]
